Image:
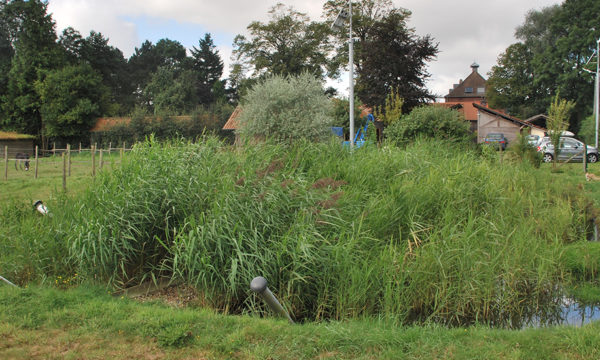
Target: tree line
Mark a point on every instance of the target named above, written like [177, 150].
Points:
[550, 57]
[55, 85]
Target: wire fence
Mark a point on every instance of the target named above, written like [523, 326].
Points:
[57, 161]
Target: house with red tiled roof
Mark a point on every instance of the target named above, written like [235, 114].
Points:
[468, 97]
[467, 92]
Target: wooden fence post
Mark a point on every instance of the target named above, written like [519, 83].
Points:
[64, 159]
[53, 149]
[5, 162]
[36, 161]
[69, 157]
[121, 155]
[109, 147]
[101, 160]
[80, 148]
[93, 160]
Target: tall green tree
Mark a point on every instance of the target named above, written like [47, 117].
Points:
[6, 55]
[6, 49]
[554, 44]
[394, 58]
[208, 67]
[365, 13]
[171, 91]
[289, 44]
[141, 65]
[105, 59]
[146, 60]
[71, 99]
[510, 87]
[36, 52]
[71, 42]
[109, 62]
[388, 54]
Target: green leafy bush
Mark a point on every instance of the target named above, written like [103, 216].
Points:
[203, 120]
[429, 122]
[523, 151]
[286, 108]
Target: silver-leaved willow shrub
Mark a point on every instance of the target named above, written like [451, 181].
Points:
[286, 109]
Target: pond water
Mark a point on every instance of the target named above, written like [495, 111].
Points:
[575, 314]
[569, 313]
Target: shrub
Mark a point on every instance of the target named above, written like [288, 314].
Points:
[524, 151]
[430, 122]
[286, 108]
[209, 119]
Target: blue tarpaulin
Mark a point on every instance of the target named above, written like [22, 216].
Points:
[337, 130]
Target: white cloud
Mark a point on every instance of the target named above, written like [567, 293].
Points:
[467, 31]
[94, 15]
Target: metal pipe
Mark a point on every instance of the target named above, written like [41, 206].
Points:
[351, 79]
[597, 88]
[259, 286]
[8, 282]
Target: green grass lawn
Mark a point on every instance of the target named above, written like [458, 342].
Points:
[22, 185]
[87, 323]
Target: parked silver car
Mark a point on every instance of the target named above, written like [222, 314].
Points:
[570, 149]
[533, 139]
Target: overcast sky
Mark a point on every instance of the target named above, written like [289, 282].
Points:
[466, 31]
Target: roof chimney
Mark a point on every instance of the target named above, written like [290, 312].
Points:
[474, 66]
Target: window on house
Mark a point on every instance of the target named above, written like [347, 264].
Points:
[469, 90]
[480, 90]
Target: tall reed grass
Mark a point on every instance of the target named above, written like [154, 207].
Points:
[414, 234]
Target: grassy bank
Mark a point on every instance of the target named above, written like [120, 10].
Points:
[43, 323]
[409, 235]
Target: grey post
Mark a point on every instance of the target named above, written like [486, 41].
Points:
[259, 286]
[8, 282]
[6, 162]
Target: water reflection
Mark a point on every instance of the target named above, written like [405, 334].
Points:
[579, 315]
[570, 313]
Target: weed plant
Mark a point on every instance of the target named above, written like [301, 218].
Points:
[414, 234]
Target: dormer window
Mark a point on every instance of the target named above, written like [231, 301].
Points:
[469, 90]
